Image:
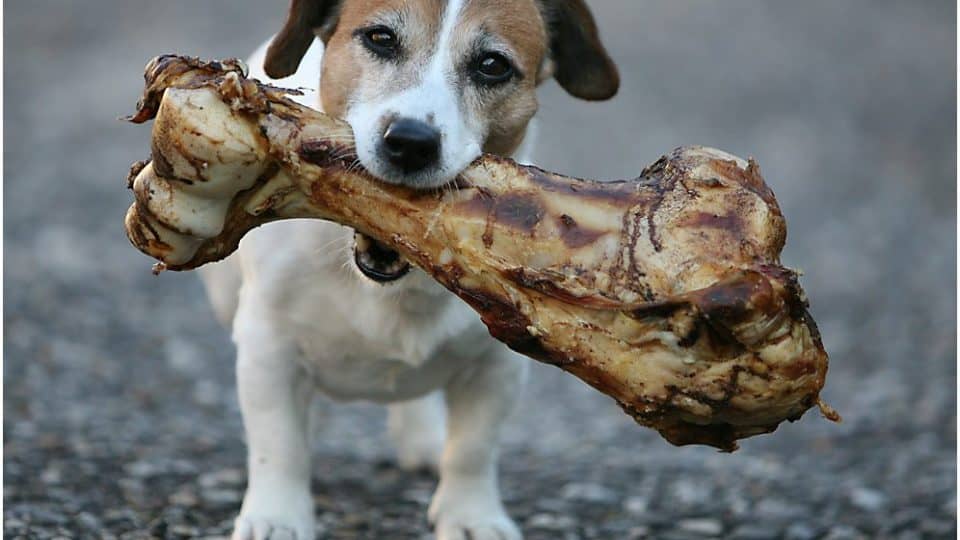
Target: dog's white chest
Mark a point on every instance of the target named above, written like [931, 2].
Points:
[357, 340]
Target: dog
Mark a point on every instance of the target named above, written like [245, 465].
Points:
[427, 85]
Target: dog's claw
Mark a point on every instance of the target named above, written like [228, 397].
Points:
[265, 529]
[496, 530]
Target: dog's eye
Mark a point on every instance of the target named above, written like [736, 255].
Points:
[381, 41]
[493, 68]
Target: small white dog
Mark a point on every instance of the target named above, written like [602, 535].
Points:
[427, 85]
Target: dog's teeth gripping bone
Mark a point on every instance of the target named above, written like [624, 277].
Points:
[665, 292]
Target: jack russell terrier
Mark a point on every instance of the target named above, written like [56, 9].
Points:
[427, 85]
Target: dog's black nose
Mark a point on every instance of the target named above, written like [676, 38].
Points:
[411, 145]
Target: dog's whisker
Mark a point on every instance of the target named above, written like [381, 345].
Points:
[331, 243]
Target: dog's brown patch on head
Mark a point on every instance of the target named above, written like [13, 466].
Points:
[518, 26]
[350, 73]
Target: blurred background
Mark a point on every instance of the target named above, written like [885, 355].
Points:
[120, 412]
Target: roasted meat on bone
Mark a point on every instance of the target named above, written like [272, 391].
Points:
[664, 292]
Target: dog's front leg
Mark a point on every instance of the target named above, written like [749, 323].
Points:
[275, 398]
[467, 502]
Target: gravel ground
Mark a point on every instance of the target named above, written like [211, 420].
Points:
[121, 419]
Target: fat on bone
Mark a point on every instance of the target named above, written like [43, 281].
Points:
[664, 292]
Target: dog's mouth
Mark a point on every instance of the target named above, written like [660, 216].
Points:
[376, 261]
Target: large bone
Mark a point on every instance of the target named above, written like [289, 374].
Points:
[665, 292]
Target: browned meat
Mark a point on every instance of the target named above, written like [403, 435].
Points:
[664, 292]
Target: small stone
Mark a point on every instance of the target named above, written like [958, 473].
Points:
[553, 505]
[754, 532]
[844, 532]
[222, 497]
[701, 526]
[950, 507]
[142, 469]
[800, 531]
[677, 534]
[777, 510]
[88, 521]
[120, 514]
[638, 533]
[689, 492]
[46, 517]
[232, 477]
[738, 505]
[592, 493]
[939, 528]
[868, 500]
[905, 518]
[51, 475]
[183, 530]
[183, 497]
[636, 505]
[551, 522]
[417, 495]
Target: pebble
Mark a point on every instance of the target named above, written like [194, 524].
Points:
[690, 492]
[231, 477]
[676, 534]
[950, 507]
[638, 533]
[868, 500]
[47, 516]
[592, 493]
[143, 469]
[778, 509]
[88, 520]
[184, 530]
[939, 528]
[184, 497]
[844, 532]
[800, 531]
[905, 518]
[754, 532]
[701, 526]
[738, 505]
[552, 522]
[417, 495]
[636, 505]
[51, 475]
[220, 497]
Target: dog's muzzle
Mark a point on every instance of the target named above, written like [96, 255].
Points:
[376, 261]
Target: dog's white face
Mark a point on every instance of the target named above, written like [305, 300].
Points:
[428, 85]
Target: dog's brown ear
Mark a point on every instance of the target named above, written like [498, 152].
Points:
[580, 62]
[305, 20]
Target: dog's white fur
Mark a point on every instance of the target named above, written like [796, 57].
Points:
[304, 319]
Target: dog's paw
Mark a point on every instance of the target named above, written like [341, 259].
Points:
[276, 517]
[464, 514]
[497, 526]
[256, 528]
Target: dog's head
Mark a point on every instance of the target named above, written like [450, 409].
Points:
[430, 84]
[427, 85]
